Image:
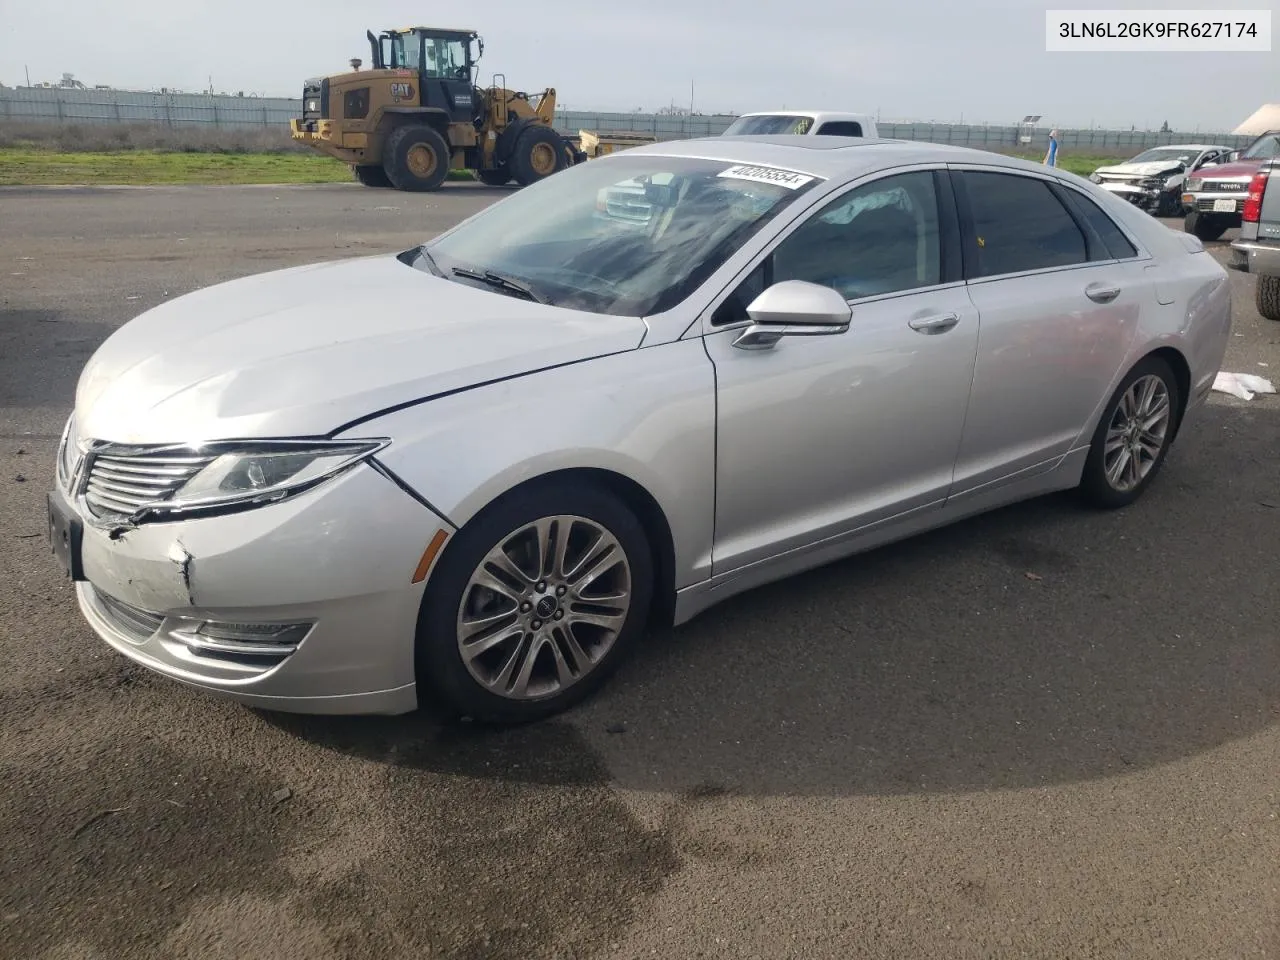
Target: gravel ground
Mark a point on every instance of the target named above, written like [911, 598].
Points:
[1041, 733]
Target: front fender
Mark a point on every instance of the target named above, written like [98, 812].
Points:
[648, 415]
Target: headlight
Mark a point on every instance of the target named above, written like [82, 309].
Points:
[257, 473]
[1193, 185]
[1095, 178]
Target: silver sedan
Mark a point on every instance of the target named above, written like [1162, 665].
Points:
[471, 474]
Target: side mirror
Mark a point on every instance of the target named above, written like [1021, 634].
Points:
[794, 308]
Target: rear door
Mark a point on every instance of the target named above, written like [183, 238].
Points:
[1059, 304]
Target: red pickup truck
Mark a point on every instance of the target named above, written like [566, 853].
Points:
[1213, 198]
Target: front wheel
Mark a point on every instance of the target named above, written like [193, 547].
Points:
[533, 604]
[1206, 228]
[1133, 436]
[539, 152]
[1268, 297]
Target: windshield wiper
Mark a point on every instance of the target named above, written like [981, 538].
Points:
[500, 282]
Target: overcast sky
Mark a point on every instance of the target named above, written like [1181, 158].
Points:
[946, 60]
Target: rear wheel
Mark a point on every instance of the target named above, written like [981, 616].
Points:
[497, 177]
[1203, 226]
[416, 158]
[539, 152]
[371, 176]
[1268, 297]
[533, 604]
[1133, 436]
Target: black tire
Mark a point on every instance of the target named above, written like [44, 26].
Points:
[1203, 226]
[404, 163]
[538, 153]
[1268, 297]
[371, 176]
[1169, 204]
[1095, 485]
[497, 177]
[446, 686]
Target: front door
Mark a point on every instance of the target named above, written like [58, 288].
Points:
[446, 77]
[817, 436]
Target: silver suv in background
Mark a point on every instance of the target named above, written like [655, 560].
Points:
[1257, 250]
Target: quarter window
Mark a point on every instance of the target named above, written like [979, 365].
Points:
[1117, 244]
[1020, 225]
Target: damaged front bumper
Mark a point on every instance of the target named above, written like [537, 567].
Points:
[1148, 198]
[307, 605]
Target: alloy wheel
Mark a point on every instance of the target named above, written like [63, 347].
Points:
[1137, 433]
[543, 608]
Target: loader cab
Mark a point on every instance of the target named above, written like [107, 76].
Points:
[444, 61]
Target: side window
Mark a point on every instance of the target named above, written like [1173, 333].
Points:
[840, 128]
[1020, 225]
[1117, 244]
[879, 238]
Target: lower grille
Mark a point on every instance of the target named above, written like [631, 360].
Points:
[136, 624]
[122, 482]
[1205, 205]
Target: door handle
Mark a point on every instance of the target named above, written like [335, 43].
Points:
[1101, 292]
[939, 323]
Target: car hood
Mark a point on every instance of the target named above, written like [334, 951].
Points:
[301, 351]
[1151, 169]
[1225, 171]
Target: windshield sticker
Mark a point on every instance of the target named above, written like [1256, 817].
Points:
[783, 178]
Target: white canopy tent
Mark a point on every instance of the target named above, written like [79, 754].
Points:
[1265, 119]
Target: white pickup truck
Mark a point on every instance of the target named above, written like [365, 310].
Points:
[818, 123]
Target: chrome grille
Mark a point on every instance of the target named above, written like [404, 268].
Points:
[121, 483]
[1206, 204]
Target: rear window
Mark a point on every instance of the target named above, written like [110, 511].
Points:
[840, 128]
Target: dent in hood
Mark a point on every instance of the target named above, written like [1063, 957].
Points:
[301, 351]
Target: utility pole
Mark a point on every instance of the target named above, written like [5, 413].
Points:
[28, 70]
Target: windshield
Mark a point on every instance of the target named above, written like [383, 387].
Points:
[769, 125]
[1164, 153]
[1264, 148]
[401, 51]
[597, 237]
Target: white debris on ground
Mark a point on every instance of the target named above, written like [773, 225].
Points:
[1242, 385]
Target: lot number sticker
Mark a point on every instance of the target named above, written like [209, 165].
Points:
[783, 178]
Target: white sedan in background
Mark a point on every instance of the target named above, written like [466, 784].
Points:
[471, 473]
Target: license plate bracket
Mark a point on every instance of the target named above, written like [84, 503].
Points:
[1224, 205]
[66, 538]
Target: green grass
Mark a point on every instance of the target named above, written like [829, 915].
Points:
[1080, 164]
[22, 166]
[32, 166]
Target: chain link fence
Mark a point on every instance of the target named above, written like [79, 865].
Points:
[73, 106]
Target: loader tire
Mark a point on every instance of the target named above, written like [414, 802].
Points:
[539, 153]
[416, 158]
[1268, 297]
[371, 176]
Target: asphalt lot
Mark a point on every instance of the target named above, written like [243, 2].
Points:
[1041, 733]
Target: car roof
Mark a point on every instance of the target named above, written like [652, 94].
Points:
[827, 157]
[804, 113]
